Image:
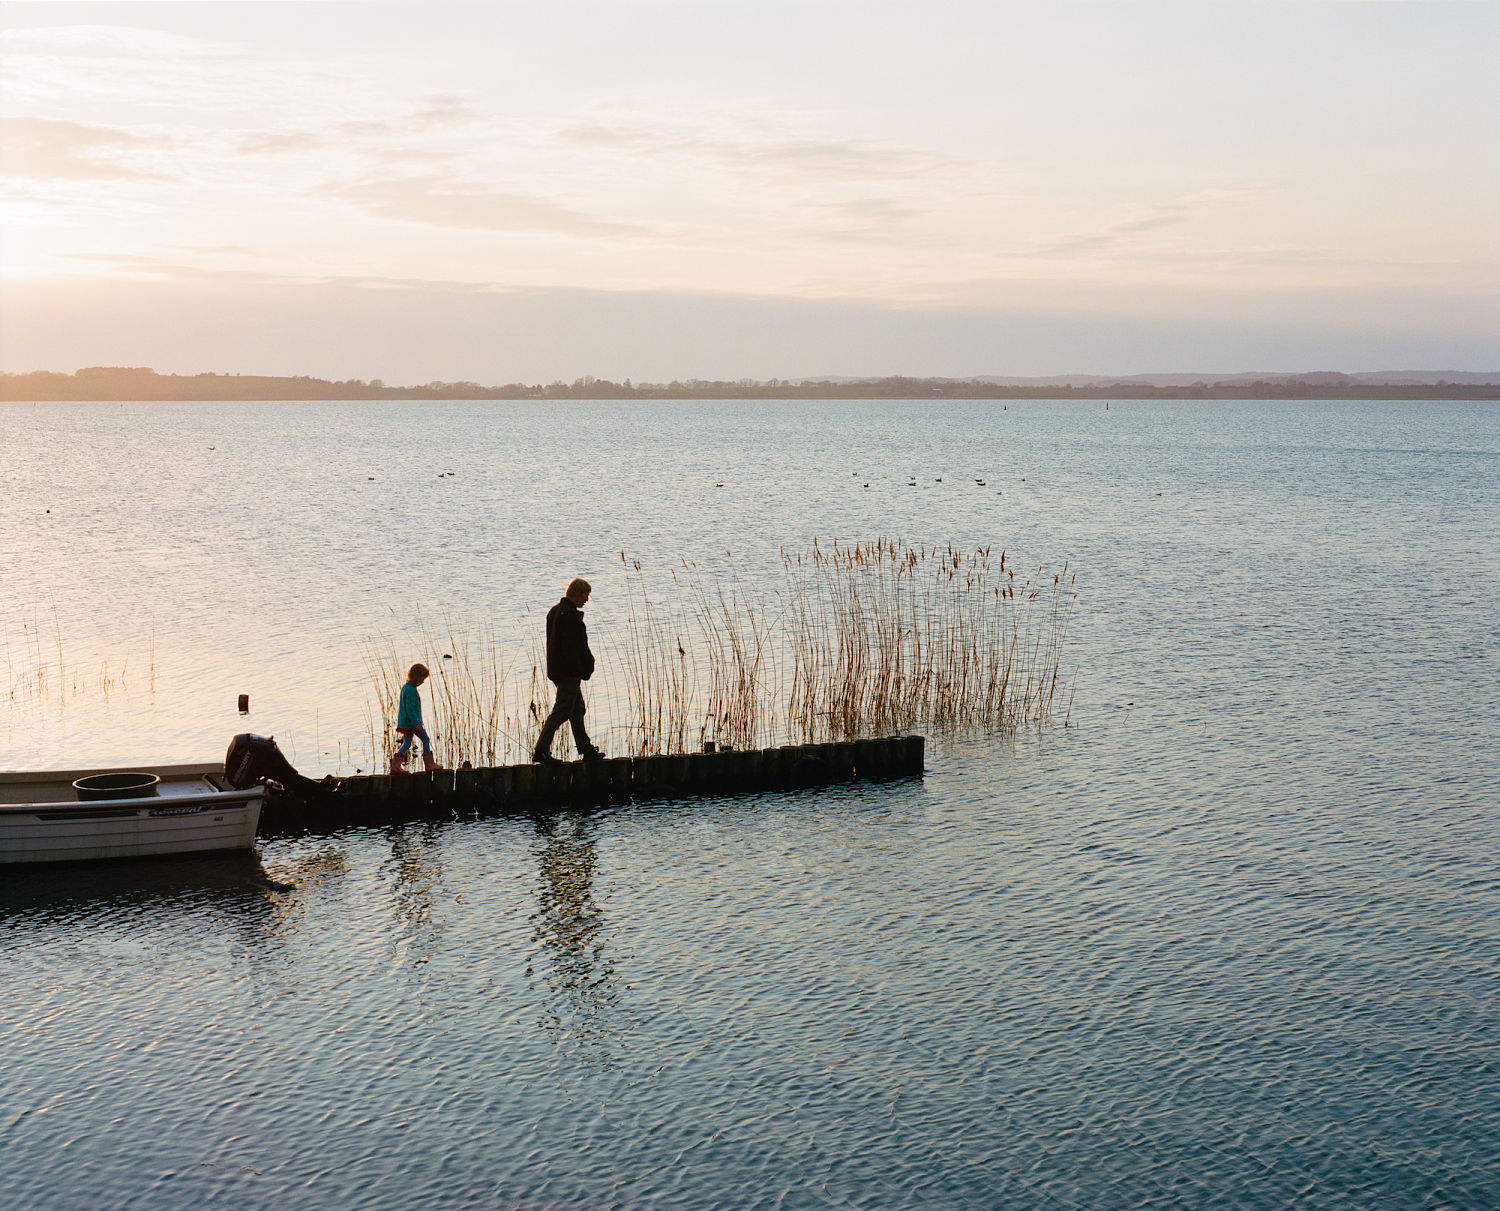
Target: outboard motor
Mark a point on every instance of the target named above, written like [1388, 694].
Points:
[253, 759]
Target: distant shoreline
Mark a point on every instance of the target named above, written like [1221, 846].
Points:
[107, 384]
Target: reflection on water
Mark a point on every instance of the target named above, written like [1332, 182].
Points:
[414, 872]
[568, 925]
[234, 883]
[298, 879]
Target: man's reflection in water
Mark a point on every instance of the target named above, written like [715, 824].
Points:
[584, 987]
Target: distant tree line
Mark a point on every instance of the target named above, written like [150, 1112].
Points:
[129, 383]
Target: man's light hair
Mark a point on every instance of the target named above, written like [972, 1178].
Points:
[578, 585]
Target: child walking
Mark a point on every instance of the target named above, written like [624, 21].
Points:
[409, 722]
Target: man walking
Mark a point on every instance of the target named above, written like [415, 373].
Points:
[569, 665]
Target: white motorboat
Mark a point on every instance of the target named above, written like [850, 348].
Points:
[80, 815]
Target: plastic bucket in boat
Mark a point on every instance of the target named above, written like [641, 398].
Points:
[116, 786]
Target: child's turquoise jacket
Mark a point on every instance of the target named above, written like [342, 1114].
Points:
[410, 713]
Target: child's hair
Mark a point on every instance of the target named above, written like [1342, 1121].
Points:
[417, 672]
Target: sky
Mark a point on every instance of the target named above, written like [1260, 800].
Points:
[674, 189]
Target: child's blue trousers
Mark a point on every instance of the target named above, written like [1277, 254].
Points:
[416, 733]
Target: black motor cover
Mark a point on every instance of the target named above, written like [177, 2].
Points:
[254, 759]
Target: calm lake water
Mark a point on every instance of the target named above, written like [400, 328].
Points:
[1232, 938]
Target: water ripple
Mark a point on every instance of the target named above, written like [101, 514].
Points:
[1227, 941]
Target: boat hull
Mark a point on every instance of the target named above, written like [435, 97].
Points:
[42, 820]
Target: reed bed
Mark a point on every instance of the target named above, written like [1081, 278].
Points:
[36, 672]
[887, 636]
[842, 641]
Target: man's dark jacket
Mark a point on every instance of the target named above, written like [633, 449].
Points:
[568, 655]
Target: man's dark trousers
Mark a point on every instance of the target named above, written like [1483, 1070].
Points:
[568, 708]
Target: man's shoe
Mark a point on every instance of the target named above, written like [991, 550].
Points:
[544, 759]
[594, 754]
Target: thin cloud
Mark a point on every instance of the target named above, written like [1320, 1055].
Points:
[443, 110]
[431, 114]
[868, 219]
[64, 43]
[130, 265]
[47, 149]
[441, 203]
[1150, 223]
[882, 212]
[281, 142]
[824, 158]
[1152, 218]
[1110, 237]
[126, 264]
[740, 147]
[57, 68]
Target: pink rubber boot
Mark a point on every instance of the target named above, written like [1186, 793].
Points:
[429, 764]
[398, 763]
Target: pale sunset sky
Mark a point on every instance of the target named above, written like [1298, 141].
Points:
[660, 189]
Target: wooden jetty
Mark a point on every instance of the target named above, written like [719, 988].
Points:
[499, 790]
